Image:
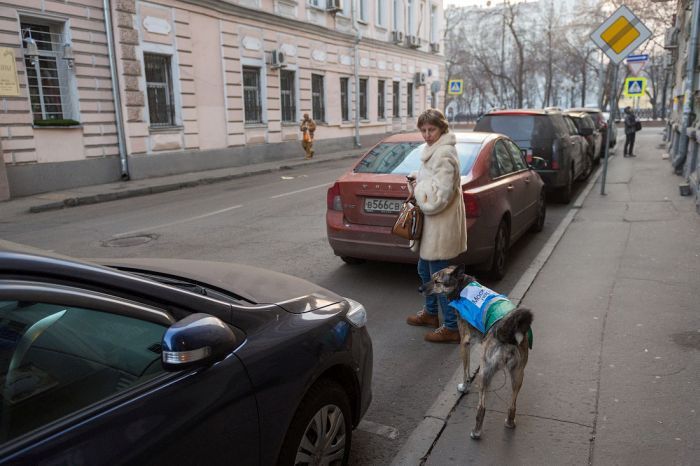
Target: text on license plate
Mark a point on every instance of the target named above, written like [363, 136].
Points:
[382, 206]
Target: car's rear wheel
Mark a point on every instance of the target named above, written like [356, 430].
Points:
[321, 431]
[541, 214]
[500, 251]
[566, 192]
[589, 167]
[352, 260]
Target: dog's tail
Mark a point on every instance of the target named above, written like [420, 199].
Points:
[515, 326]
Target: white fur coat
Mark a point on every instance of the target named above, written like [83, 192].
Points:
[438, 193]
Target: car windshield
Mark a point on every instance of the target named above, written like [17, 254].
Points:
[402, 158]
[520, 128]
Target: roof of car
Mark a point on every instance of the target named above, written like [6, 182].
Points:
[462, 136]
[521, 111]
[577, 114]
[584, 109]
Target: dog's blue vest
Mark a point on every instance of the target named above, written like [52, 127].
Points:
[483, 307]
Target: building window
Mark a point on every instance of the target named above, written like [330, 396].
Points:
[364, 7]
[48, 73]
[380, 100]
[317, 100]
[363, 99]
[316, 3]
[409, 99]
[289, 109]
[433, 24]
[344, 99]
[397, 15]
[409, 19]
[159, 90]
[381, 13]
[251, 95]
[396, 99]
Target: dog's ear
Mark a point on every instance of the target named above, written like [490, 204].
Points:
[459, 270]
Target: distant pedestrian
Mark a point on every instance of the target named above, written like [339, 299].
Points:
[437, 188]
[630, 132]
[307, 127]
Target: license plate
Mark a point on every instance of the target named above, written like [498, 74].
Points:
[376, 205]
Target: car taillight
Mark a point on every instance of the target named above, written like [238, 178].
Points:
[333, 201]
[471, 205]
[528, 156]
[555, 155]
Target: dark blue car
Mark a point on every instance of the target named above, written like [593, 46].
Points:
[175, 362]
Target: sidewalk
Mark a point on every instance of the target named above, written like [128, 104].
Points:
[614, 373]
[125, 189]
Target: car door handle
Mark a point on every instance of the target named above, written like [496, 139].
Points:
[510, 187]
[527, 180]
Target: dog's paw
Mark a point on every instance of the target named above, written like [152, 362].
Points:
[475, 435]
[463, 387]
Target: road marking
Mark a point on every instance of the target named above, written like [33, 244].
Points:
[300, 190]
[184, 220]
[389, 432]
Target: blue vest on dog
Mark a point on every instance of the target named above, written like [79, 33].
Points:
[483, 307]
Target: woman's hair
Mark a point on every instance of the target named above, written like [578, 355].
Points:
[434, 117]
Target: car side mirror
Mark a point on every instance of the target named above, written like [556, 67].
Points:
[538, 163]
[198, 340]
[586, 131]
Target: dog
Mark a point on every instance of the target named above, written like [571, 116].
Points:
[505, 342]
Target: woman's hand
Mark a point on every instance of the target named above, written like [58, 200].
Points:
[411, 183]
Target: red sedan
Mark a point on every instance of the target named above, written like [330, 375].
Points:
[503, 196]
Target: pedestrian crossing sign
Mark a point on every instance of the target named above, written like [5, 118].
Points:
[635, 87]
[455, 87]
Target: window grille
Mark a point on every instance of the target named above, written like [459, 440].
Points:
[380, 99]
[289, 110]
[47, 71]
[344, 107]
[317, 98]
[159, 90]
[363, 99]
[251, 95]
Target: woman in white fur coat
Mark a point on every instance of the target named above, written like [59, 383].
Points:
[438, 191]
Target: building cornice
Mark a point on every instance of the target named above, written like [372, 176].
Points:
[278, 20]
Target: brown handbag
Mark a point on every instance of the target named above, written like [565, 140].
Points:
[409, 225]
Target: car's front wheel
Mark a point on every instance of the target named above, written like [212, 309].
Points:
[500, 252]
[321, 430]
[538, 225]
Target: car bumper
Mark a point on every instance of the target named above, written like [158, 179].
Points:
[373, 242]
[552, 178]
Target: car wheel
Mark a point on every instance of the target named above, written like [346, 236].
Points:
[589, 167]
[352, 260]
[541, 213]
[566, 192]
[321, 431]
[500, 252]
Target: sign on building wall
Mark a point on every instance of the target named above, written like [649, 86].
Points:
[9, 82]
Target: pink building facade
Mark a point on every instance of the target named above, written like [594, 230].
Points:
[208, 84]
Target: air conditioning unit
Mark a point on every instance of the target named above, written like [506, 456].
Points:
[435, 47]
[278, 59]
[397, 36]
[413, 41]
[420, 78]
[334, 6]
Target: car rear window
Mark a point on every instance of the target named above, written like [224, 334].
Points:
[402, 158]
[520, 128]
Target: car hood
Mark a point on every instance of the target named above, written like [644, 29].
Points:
[254, 285]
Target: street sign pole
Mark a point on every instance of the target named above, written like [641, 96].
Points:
[611, 122]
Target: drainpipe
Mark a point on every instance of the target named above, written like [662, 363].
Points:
[356, 47]
[121, 138]
[689, 88]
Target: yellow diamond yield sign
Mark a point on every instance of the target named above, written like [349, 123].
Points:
[620, 34]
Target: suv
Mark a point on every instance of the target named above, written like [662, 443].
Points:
[551, 142]
[601, 122]
[588, 129]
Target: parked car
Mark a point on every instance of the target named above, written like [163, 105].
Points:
[587, 128]
[600, 119]
[503, 196]
[549, 136]
[155, 361]
[613, 128]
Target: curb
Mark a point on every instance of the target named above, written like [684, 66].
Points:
[76, 201]
[420, 442]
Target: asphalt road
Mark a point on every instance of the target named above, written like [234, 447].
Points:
[277, 221]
